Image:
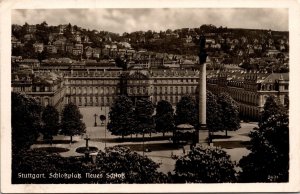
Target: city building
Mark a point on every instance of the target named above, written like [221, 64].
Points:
[250, 89]
[46, 88]
[98, 85]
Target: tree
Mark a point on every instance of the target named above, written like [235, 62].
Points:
[186, 111]
[41, 56]
[42, 162]
[164, 118]
[268, 160]
[26, 121]
[71, 123]
[204, 165]
[229, 111]
[50, 118]
[213, 113]
[121, 117]
[33, 162]
[121, 63]
[144, 110]
[68, 32]
[134, 167]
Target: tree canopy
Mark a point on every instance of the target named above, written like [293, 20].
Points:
[164, 118]
[204, 165]
[144, 110]
[50, 119]
[213, 113]
[71, 123]
[25, 121]
[122, 118]
[268, 160]
[121, 160]
[229, 112]
[186, 111]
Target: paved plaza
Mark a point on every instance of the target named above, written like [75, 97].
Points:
[161, 149]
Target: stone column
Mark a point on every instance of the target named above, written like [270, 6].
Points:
[202, 94]
[203, 132]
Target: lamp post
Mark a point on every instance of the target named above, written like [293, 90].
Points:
[102, 119]
[95, 115]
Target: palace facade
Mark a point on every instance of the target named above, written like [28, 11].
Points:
[250, 89]
[100, 86]
[47, 88]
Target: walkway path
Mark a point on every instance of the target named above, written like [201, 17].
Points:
[98, 134]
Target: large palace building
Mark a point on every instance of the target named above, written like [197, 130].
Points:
[100, 86]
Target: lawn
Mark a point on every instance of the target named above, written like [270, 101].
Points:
[151, 146]
[232, 144]
[52, 149]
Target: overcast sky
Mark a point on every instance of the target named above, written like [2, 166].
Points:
[129, 20]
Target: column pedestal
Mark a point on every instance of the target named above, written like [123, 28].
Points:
[203, 136]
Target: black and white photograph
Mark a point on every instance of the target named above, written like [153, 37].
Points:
[149, 95]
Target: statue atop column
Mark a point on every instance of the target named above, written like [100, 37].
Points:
[202, 52]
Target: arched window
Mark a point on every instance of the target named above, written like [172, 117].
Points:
[46, 101]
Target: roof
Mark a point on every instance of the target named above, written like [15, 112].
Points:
[185, 127]
[137, 74]
[30, 61]
[276, 76]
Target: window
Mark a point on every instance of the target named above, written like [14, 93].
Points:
[46, 101]
[286, 87]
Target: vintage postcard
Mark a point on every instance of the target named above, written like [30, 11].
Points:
[160, 96]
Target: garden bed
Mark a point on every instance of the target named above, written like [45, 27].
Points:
[82, 150]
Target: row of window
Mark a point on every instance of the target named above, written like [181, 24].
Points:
[174, 81]
[22, 89]
[32, 89]
[89, 101]
[138, 90]
[175, 89]
[93, 90]
[94, 82]
[159, 81]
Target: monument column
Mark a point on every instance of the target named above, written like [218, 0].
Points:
[203, 133]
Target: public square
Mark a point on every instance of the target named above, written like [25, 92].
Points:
[160, 148]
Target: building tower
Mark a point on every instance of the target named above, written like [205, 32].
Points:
[203, 136]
